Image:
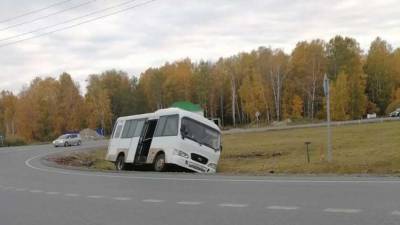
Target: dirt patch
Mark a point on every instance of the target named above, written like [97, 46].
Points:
[89, 159]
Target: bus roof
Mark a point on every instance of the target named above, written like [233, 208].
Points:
[171, 111]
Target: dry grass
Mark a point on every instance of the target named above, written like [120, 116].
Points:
[357, 149]
[364, 148]
[92, 159]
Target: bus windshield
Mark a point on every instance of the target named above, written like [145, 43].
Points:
[201, 133]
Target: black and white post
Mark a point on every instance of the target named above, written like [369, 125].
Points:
[328, 117]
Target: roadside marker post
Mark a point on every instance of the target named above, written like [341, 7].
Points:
[328, 117]
[307, 151]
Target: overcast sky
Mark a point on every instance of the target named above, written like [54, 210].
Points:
[168, 30]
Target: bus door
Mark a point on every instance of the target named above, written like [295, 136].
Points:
[134, 134]
[145, 140]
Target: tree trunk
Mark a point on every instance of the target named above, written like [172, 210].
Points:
[222, 108]
[276, 80]
[233, 90]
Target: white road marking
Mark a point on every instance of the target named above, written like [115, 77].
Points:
[52, 193]
[95, 196]
[153, 200]
[8, 188]
[35, 191]
[396, 213]
[21, 189]
[122, 198]
[277, 207]
[341, 210]
[234, 205]
[189, 203]
[308, 181]
[71, 195]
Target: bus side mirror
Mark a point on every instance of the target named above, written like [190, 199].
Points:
[220, 148]
[183, 131]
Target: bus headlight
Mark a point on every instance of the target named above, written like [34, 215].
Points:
[181, 153]
[212, 165]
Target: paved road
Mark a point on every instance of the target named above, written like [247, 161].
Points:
[310, 125]
[31, 193]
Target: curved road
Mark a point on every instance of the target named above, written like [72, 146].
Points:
[31, 193]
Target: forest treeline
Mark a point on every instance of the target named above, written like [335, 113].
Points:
[265, 80]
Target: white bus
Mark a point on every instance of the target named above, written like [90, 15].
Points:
[166, 137]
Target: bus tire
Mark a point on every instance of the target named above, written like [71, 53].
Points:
[120, 162]
[159, 164]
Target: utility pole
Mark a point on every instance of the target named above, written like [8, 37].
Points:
[328, 117]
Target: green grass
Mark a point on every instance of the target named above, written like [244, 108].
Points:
[357, 149]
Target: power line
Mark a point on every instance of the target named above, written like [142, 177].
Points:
[35, 11]
[48, 15]
[68, 21]
[80, 23]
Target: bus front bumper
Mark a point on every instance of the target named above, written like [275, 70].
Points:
[191, 165]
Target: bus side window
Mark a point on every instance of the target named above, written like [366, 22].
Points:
[167, 126]
[139, 128]
[171, 126]
[126, 129]
[118, 131]
[160, 126]
[132, 128]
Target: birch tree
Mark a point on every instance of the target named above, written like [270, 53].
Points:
[278, 75]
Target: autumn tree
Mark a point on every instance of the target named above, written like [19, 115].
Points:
[297, 107]
[98, 105]
[230, 65]
[379, 78]
[37, 110]
[344, 55]
[178, 83]
[221, 89]
[69, 105]
[151, 83]
[395, 67]
[395, 101]
[252, 93]
[307, 68]
[234, 88]
[278, 74]
[203, 81]
[264, 66]
[340, 98]
[8, 103]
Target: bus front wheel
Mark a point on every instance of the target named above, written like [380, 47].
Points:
[159, 163]
[120, 163]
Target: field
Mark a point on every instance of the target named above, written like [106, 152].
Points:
[357, 149]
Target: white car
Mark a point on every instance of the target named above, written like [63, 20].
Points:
[67, 140]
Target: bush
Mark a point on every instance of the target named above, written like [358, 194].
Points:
[14, 141]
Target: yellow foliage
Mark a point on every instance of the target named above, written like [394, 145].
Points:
[297, 107]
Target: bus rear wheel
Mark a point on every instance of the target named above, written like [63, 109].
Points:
[159, 163]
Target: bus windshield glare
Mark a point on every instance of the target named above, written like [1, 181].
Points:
[201, 133]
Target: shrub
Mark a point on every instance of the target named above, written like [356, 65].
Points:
[13, 141]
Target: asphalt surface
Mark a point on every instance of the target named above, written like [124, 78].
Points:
[32, 193]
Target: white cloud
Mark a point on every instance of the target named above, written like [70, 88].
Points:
[167, 30]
